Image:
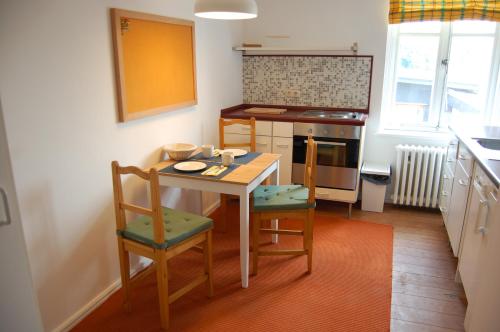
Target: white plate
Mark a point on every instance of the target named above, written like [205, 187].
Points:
[190, 166]
[236, 152]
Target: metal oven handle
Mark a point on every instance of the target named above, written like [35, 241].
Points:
[329, 143]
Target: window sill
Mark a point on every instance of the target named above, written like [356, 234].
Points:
[430, 134]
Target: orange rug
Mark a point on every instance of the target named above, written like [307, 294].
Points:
[348, 290]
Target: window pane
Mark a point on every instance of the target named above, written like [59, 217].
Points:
[415, 73]
[468, 75]
[474, 27]
[420, 27]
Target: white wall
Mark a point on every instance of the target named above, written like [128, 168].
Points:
[58, 93]
[335, 24]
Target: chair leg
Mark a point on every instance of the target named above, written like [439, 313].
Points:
[124, 273]
[255, 242]
[223, 212]
[207, 252]
[162, 281]
[309, 234]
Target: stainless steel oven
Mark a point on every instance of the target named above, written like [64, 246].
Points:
[338, 154]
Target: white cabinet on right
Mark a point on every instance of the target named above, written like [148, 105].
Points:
[479, 264]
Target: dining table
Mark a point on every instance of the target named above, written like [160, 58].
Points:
[239, 179]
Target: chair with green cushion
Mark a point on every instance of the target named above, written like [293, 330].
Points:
[290, 201]
[159, 233]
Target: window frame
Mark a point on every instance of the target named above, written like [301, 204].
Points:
[439, 89]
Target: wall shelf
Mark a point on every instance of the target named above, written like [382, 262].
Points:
[353, 50]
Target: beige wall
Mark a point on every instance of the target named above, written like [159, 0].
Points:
[336, 24]
[58, 95]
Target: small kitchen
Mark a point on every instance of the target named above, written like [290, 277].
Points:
[304, 165]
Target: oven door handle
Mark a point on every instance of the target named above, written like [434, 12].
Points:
[329, 143]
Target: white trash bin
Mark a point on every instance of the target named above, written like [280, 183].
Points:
[373, 195]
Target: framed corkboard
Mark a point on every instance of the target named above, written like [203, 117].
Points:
[155, 65]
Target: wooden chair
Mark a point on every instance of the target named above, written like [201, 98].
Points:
[223, 144]
[159, 234]
[289, 201]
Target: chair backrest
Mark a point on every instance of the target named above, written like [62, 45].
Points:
[310, 168]
[228, 122]
[121, 206]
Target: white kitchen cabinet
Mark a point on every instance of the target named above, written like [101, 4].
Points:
[262, 128]
[264, 144]
[482, 311]
[474, 230]
[445, 195]
[284, 146]
[271, 137]
[457, 207]
[282, 129]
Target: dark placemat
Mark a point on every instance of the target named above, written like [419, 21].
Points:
[237, 160]
[171, 170]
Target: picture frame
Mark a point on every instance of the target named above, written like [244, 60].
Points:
[155, 63]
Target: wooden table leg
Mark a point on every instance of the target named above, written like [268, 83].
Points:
[275, 181]
[244, 238]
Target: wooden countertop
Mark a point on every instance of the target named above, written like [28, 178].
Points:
[293, 114]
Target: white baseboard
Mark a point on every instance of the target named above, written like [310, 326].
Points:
[211, 208]
[84, 311]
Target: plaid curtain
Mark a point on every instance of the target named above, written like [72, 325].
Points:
[443, 10]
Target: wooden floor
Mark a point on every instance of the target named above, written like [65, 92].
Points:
[425, 296]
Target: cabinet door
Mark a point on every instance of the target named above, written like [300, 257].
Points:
[482, 311]
[263, 144]
[457, 208]
[237, 138]
[477, 211]
[445, 195]
[284, 146]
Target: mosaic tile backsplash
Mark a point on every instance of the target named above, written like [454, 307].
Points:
[323, 81]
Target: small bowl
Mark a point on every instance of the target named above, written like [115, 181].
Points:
[179, 151]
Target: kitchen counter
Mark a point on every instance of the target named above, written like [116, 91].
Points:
[466, 134]
[293, 114]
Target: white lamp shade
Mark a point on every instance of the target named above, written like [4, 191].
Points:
[226, 9]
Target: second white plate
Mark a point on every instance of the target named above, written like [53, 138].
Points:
[190, 166]
[237, 152]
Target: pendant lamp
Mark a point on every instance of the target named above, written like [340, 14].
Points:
[226, 9]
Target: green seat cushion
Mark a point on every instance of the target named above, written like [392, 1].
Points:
[289, 197]
[178, 226]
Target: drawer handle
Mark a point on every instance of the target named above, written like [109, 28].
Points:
[443, 210]
[462, 157]
[446, 177]
[282, 145]
[463, 183]
[5, 202]
[450, 160]
[444, 193]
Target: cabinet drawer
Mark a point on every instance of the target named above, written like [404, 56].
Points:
[283, 129]
[262, 128]
[263, 144]
[284, 147]
[465, 159]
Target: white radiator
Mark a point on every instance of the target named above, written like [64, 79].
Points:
[418, 175]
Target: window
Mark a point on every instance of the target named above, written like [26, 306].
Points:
[436, 70]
